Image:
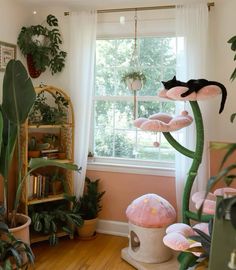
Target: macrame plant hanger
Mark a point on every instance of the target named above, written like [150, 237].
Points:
[134, 64]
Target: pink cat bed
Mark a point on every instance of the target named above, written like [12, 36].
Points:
[151, 211]
[209, 205]
[177, 235]
[203, 94]
[161, 122]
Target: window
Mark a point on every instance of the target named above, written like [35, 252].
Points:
[114, 135]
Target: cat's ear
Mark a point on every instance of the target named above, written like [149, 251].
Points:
[174, 78]
[163, 82]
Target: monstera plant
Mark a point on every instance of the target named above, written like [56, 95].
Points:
[41, 46]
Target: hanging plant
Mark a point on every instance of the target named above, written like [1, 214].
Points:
[134, 80]
[41, 46]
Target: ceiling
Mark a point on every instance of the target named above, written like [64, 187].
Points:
[97, 4]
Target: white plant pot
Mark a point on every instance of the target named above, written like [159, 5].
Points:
[134, 85]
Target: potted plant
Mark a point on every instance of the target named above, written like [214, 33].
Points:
[14, 253]
[57, 217]
[41, 45]
[18, 98]
[88, 206]
[134, 80]
[43, 113]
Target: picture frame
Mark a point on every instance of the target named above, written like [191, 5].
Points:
[7, 52]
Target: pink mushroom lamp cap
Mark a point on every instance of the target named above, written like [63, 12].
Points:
[151, 211]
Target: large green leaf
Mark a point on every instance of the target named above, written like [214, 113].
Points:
[18, 92]
[36, 163]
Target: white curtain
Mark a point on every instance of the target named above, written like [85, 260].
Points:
[82, 57]
[192, 40]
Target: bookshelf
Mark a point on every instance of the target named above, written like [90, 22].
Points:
[47, 135]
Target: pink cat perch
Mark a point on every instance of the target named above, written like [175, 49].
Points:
[162, 122]
[206, 92]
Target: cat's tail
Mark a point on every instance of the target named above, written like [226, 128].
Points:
[224, 95]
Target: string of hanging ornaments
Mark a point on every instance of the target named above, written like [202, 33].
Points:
[134, 78]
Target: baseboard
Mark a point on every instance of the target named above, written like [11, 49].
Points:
[113, 227]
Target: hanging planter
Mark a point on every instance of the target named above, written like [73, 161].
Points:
[33, 72]
[41, 46]
[134, 80]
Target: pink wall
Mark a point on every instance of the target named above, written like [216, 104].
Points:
[122, 188]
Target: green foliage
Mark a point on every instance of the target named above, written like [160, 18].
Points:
[90, 202]
[232, 41]
[43, 113]
[12, 251]
[134, 75]
[46, 53]
[50, 221]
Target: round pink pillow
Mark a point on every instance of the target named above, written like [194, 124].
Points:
[176, 241]
[202, 227]
[222, 191]
[164, 117]
[200, 195]
[151, 211]
[139, 121]
[204, 93]
[208, 207]
[181, 228]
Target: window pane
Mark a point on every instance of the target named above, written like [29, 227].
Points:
[114, 132]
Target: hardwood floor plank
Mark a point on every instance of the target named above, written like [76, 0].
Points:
[102, 253]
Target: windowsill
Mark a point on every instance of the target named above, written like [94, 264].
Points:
[132, 169]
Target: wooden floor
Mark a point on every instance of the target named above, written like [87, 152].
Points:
[102, 253]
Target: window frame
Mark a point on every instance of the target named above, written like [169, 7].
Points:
[125, 165]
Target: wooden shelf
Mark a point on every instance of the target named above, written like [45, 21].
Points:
[49, 126]
[50, 198]
[38, 237]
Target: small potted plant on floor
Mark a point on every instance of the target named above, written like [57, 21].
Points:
[89, 205]
[134, 80]
[41, 45]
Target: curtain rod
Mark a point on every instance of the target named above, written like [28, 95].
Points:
[67, 13]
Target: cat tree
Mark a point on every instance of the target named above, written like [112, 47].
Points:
[166, 124]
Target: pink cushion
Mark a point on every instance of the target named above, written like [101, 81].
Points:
[162, 94]
[159, 122]
[222, 191]
[204, 93]
[196, 244]
[176, 241]
[151, 211]
[164, 117]
[200, 195]
[139, 121]
[208, 207]
[202, 227]
[181, 228]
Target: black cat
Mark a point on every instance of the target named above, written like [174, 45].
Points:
[195, 86]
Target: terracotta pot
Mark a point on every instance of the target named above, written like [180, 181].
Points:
[88, 230]
[22, 232]
[33, 72]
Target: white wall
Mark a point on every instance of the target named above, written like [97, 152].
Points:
[13, 17]
[223, 28]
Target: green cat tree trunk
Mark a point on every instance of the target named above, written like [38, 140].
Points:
[196, 156]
